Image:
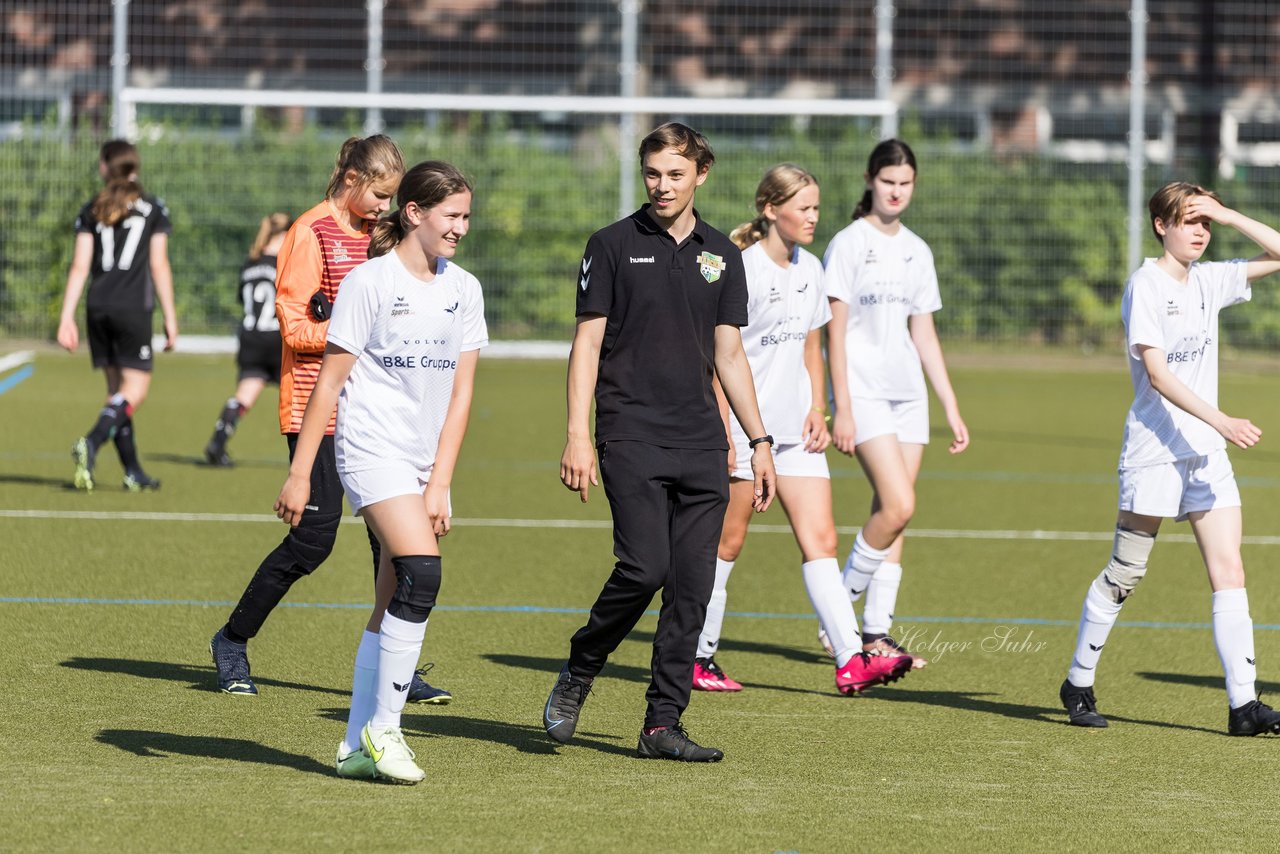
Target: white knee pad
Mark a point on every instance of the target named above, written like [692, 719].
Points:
[1127, 566]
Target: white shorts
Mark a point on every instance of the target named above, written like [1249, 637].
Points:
[908, 419]
[788, 461]
[369, 486]
[1172, 490]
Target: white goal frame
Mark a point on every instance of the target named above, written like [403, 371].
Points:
[627, 108]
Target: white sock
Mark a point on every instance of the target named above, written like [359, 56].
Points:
[362, 682]
[882, 598]
[1096, 619]
[1233, 635]
[399, 644]
[861, 565]
[831, 602]
[709, 640]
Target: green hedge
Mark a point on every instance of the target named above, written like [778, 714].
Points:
[1028, 249]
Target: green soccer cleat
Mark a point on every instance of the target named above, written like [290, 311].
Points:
[356, 765]
[82, 453]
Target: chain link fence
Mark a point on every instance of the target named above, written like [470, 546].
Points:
[1020, 112]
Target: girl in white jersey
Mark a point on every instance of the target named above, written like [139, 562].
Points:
[399, 362]
[786, 309]
[882, 342]
[1173, 461]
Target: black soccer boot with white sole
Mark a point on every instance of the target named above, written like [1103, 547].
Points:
[1253, 718]
[672, 742]
[1081, 706]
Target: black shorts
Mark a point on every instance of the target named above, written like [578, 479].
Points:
[119, 338]
[259, 356]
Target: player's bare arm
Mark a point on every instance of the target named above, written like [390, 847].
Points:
[578, 463]
[925, 337]
[1267, 238]
[734, 373]
[68, 330]
[843, 429]
[1240, 432]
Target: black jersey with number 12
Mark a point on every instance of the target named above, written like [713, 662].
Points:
[120, 274]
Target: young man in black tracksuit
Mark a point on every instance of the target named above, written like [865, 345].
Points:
[661, 297]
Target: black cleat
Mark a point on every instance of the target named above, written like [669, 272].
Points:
[672, 742]
[560, 716]
[1253, 718]
[232, 662]
[216, 455]
[140, 481]
[421, 691]
[1082, 707]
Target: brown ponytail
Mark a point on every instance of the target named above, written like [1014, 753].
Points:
[426, 185]
[276, 223]
[120, 161]
[373, 158]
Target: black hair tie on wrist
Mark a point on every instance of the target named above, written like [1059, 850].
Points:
[765, 438]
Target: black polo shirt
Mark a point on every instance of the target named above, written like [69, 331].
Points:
[663, 303]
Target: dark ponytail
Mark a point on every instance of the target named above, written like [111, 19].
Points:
[890, 152]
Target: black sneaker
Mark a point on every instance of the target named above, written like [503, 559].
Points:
[138, 481]
[216, 455]
[421, 691]
[560, 716]
[1253, 718]
[1082, 707]
[672, 742]
[232, 661]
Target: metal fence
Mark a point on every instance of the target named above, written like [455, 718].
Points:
[1021, 113]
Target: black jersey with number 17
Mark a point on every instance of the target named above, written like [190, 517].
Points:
[120, 274]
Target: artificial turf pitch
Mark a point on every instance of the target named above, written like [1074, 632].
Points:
[117, 739]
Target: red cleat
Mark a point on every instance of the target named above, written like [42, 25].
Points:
[865, 671]
[707, 676]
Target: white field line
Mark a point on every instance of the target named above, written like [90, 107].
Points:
[13, 360]
[601, 524]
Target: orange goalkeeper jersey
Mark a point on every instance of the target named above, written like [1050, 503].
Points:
[317, 254]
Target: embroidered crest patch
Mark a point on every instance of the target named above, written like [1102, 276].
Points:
[710, 266]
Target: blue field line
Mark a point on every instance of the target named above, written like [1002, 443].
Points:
[544, 609]
[16, 377]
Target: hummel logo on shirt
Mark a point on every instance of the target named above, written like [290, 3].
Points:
[1097, 648]
[648, 260]
[585, 278]
[453, 308]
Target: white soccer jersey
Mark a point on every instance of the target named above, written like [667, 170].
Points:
[783, 307]
[884, 279]
[1181, 320]
[408, 334]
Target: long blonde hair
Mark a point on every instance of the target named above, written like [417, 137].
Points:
[778, 185]
[122, 188]
[373, 158]
[273, 224]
